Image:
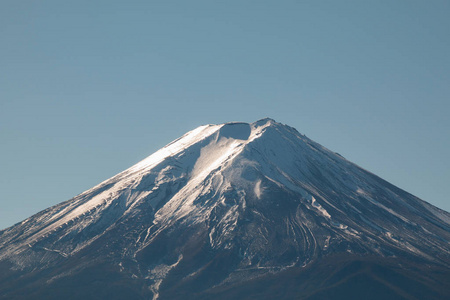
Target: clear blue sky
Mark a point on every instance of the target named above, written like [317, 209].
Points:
[88, 88]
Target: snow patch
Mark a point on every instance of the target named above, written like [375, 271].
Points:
[258, 189]
[158, 274]
[319, 207]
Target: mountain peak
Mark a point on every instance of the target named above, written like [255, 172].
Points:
[266, 120]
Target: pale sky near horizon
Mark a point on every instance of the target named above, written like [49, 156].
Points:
[88, 88]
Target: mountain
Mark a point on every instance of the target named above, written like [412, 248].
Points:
[237, 210]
